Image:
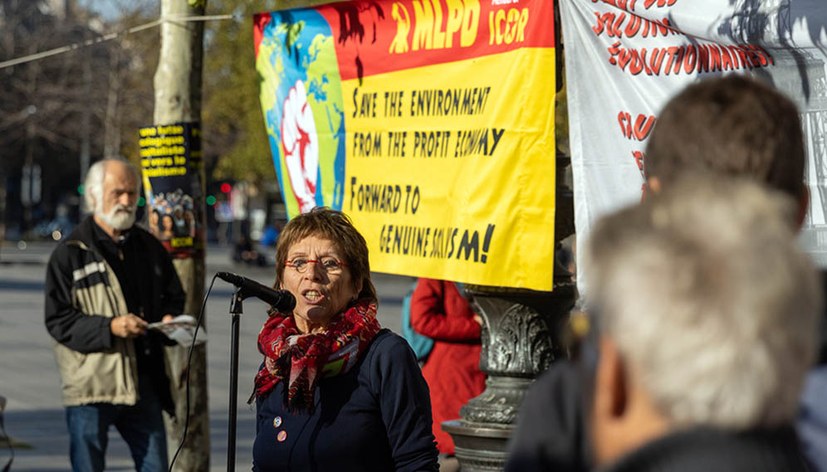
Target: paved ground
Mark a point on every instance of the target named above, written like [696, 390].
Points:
[29, 379]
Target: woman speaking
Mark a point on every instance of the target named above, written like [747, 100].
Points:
[336, 391]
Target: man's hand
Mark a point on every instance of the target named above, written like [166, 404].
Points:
[128, 326]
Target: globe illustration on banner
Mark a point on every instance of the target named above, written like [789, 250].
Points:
[301, 98]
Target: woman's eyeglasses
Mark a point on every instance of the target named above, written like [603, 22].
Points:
[331, 265]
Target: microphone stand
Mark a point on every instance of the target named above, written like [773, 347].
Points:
[244, 288]
[236, 309]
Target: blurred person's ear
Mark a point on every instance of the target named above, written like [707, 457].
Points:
[653, 184]
[610, 403]
[624, 415]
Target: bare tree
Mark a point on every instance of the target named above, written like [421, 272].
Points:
[62, 111]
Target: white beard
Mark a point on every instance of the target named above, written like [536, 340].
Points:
[120, 217]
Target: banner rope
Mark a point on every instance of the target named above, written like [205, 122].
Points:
[111, 36]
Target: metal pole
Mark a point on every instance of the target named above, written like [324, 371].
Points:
[236, 309]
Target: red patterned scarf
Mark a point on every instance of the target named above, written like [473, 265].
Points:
[303, 359]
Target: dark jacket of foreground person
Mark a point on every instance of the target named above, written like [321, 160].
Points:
[711, 450]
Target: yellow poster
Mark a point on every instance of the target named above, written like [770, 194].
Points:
[437, 121]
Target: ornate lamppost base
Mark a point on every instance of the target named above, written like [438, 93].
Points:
[521, 338]
[478, 448]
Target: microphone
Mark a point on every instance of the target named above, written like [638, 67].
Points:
[281, 300]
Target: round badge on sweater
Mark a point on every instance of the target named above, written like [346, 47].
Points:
[282, 436]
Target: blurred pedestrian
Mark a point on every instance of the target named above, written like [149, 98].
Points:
[224, 218]
[440, 311]
[245, 253]
[701, 352]
[104, 284]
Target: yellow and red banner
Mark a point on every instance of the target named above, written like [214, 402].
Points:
[429, 122]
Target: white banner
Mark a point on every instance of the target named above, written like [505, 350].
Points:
[626, 58]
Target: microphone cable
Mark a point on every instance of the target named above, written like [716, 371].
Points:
[189, 365]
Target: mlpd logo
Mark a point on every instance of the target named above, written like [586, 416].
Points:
[424, 29]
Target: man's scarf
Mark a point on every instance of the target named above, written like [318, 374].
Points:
[303, 359]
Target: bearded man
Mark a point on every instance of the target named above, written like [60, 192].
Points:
[104, 284]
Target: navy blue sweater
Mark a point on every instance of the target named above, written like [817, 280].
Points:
[377, 417]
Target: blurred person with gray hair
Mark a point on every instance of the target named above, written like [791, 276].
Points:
[733, 126]
[706, 314]
[105, 283]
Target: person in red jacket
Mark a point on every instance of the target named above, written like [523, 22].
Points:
[452, 369]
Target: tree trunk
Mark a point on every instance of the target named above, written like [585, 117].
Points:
[178, 99]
